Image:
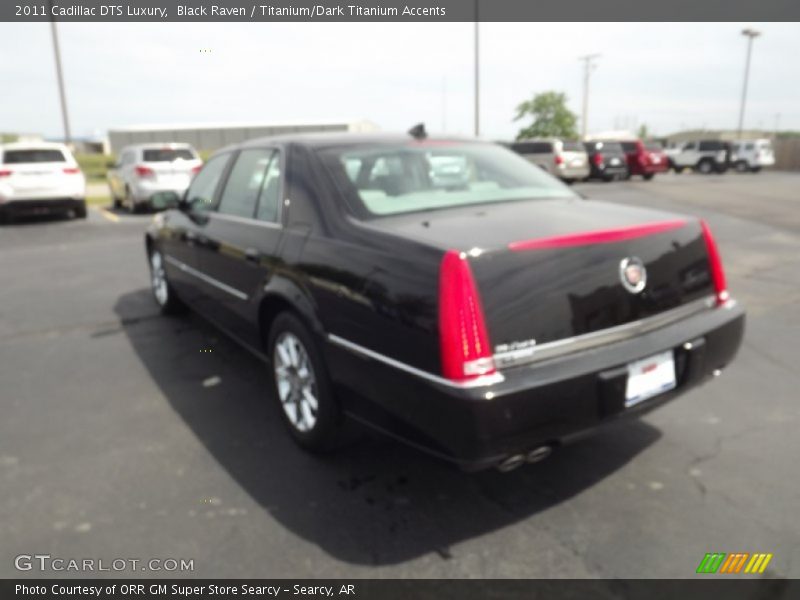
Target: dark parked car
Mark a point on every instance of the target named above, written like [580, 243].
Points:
[607, 160]
[485, 318]
[645, 158]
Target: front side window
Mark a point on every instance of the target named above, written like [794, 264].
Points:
[200, 195]
[245, 183]
[387, 179]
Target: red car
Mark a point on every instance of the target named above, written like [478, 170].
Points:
[645, 158]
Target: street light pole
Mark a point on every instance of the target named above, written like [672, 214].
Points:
[60, 76]
[477, 77]
[588, 66]
[751, 34]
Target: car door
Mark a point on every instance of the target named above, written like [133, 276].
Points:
[689, 155]
[184, 230]
[241, 240]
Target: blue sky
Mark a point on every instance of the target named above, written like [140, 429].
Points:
[669, 76]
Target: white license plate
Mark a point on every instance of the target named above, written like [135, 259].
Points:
[649, 377]
[576, 163]
[614, 161]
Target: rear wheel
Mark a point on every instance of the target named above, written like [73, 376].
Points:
[648, 176]
[705, 166]
[301, 385]
[741, 166]
[755, 169]
[80, 212]
[165, 296]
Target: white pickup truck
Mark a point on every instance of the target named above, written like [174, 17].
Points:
[703, 156]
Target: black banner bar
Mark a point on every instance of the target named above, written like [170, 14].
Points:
[733, 588]
[266, 11]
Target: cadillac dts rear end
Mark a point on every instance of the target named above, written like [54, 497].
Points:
[547, 338]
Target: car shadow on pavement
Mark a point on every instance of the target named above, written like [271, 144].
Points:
[374, 502]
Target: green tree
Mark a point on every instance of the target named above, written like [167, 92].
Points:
[643, 133]
[551, 117]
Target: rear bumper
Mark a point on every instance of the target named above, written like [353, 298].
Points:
[41, 206]
[143, 192]
[573, 172]
[547, 402]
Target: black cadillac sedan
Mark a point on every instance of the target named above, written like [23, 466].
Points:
[445, 292]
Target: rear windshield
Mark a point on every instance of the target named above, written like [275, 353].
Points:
[573, 147]
[605, 147]
[653, 146]
[41, 155]
[167, 155]
[532, 147]
[398, 178]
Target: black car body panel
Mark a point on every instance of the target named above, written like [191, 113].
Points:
[369, 289]
[607, 160]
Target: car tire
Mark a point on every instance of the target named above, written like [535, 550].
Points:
[741, 166]
[299, 381]
[755, 169]
[705, 166]
[648, 176]
[80, 212]
[163, 292]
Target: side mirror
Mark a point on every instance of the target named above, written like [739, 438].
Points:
[165, 200]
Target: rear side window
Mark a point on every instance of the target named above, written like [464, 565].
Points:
[573, 147]
[33, 156]
[711, 146]
[268, 201]
[167, 155]
[532, 147]
[245, 183]
[200, 195]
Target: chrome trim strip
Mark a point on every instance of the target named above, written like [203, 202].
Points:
[482, 381]
[210, 280]
[246, 220]
[514, 358]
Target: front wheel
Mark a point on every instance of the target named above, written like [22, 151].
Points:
[165, 296]
[301, 385]
[648, 176]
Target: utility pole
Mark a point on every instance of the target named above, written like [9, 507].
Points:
[751, 34]
[60, 76]
[588, 66]
[477, 77]
[444, 104]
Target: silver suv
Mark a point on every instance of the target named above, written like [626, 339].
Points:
[567, 160]
[146, 169]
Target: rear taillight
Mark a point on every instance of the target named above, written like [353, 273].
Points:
[142, 171]
[71, 171]
[6, 172]
[597, 159]
[559, 159]
[196, 169]
[464, 341]
[715, 264]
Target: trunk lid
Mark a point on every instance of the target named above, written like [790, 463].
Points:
[553, 269]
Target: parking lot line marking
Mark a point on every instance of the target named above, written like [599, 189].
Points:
[108, 215]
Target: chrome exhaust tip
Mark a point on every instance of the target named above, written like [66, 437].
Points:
[511, 463]
[538, 454]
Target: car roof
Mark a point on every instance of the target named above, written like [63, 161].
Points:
[328, 139]
[157, 146]
[33, 146]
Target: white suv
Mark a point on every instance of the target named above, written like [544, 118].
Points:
[752, 155]
[146, 169]
[40, 178]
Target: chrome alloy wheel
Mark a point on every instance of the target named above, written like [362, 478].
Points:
[158, 278]
[296, 383]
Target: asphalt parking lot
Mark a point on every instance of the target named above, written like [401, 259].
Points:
[125, 434]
